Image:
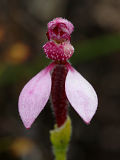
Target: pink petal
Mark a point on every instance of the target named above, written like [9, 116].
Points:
[34, 96]
[81, 95]
[56, 51]
[60, 20]
[59, 29]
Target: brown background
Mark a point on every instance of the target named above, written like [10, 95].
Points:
[97, 57]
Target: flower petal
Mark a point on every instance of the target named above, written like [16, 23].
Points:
[59, 20]
[60, 52]
[81, 95]
[59, 30]
[34, 96]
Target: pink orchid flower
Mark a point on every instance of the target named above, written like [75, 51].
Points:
[68, 85]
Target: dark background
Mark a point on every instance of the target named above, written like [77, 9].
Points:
[96, 39]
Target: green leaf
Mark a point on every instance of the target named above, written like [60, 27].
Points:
[97, 47]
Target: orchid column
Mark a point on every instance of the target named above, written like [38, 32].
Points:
[64, 83]
[60, 50]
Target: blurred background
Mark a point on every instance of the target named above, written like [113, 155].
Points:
[97, 57]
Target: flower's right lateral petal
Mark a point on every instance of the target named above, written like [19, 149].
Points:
[81, 95]
[34, 96]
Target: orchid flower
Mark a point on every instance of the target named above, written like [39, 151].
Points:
[59, 79]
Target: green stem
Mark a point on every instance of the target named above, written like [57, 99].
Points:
[60, 155]
[60, 138]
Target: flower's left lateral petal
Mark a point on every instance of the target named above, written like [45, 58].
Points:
[81, 95]
[34, 96]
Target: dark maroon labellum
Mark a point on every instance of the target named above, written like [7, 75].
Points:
[58, 95]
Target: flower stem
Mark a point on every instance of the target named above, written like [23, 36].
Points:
[61, 156]
[60, 138]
